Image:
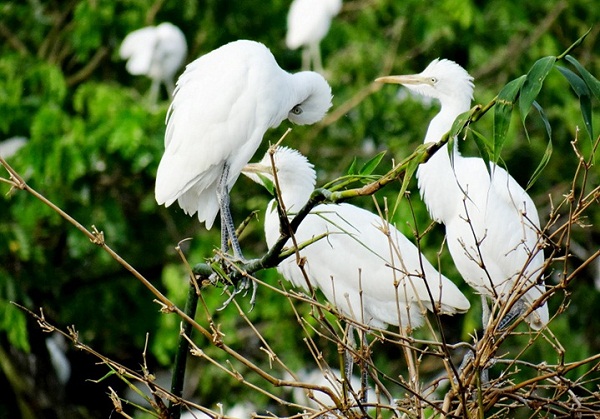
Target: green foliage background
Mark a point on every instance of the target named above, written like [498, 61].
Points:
[94, 146]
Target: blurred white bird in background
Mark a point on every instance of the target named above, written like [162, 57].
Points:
[308, 22]
[369, 276]
[223, 104]
[492, 225]
[156, 52]
[11, 146]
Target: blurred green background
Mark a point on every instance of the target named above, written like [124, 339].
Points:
[94, 145]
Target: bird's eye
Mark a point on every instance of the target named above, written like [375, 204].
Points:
[433, 80]
[296, 110]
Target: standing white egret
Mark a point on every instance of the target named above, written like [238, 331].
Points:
[156, 52]
[492, 225]
[308, 22]
[370, 276]
[223, 104]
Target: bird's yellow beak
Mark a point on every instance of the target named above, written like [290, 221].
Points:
[406, 79]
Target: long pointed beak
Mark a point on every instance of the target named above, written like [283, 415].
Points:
[406, 79]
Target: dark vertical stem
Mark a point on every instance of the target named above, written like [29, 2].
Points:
[182, 350]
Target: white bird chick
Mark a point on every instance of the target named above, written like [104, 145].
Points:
[223, 104]
[370, 277]
[308, 22]
[156, 52]
[492, 225]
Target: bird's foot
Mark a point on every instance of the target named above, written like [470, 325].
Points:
[231, 272]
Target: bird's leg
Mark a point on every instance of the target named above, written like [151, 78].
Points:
[228, 232]
[348, 359]
[364, 373]
[226, 218]
[315, 51]
[306, 58]
[485, 311]
[153, 92]
[514, 313]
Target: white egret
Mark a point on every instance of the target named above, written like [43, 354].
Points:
[365, 267]
[492, 225]
[223, 104]
[156, 52]
[308, 22]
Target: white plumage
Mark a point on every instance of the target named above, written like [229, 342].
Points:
[308, 22]
[156, 52]
[501, 216]
[351, 266]
[224, 103]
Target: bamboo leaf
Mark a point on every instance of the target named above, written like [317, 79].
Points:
[371, 165]
[267, 183]
[576, 82]
[483, 147]
[574, 45]
[352, 169]
[549, 148]
[502, 112]
[533, 84]
[591, 81]
[582, 90]
[411, 168]
[585, 103]
[459, 123]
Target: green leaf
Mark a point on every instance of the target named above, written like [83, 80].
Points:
[483, 147]
[547, 153]
[582, 90]
[267, 183]
[352, 169]
[459, 123]
[576, 82]
[591, 81]
[533, 83]
[411, 168]
[574, 45]
[502, 112]
[585, 103]
[371, 165]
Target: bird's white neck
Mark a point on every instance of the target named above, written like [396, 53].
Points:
[436, 177]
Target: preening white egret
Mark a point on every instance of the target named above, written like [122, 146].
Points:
[492, 225]
[370, 276]
[223, 104]
[308, 22]
[156, 52]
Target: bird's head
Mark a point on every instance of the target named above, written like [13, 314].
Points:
[295, 174]
[312, 98]
[442, 79]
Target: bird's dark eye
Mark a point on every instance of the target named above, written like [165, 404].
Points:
[296, 110]
[433, 80]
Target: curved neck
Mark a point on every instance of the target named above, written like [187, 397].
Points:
[436, 177]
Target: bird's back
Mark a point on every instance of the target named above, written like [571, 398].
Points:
[170, 51]
[220, 112]
[308, 21]
[352, 268]
[137, 48]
